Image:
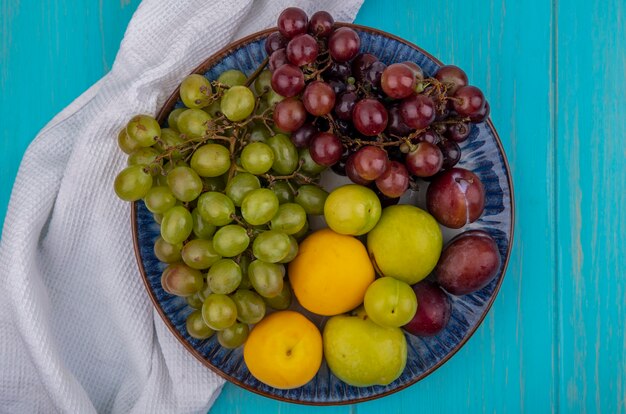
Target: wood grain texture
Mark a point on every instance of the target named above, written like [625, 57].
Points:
[555, 75]
[50, 52]
[591, 201]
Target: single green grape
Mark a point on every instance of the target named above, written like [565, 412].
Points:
[266, 278]
[244, 262]
[201, 228]
[281, 301]
[219, 311]
[167, 252]
[224, 276]
[216, 208]
[271, 246]
[309, 167]
[132, 183]
[263, 82]
[193, 122]
[303, 232]
[233, 336]
[237, 103]
[293, 250]
[283, 191]
[285, 154]
[200, 254]
[185, 183]
[258, 133]
[289, 219]
[272, 97]
[172, 118]
[159, 199]
[232, 77]
[196, 327]
[312, 199]
[170, 138]
[214, 109]
[181, 280]
[195, 91]
[259, 206]
[125, 143]
[144, 130]
[176, 225]
[250, 306]
[231, 240]
[240, 185]
[211, 160]
[257, 158]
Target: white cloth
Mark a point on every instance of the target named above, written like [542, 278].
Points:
[78, 333]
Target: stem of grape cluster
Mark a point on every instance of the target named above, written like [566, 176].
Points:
[257, 71]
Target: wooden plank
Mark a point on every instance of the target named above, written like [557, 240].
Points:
[50, 52]
[591, 203]
[507, 366]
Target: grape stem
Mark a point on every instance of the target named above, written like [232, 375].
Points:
[257, 71]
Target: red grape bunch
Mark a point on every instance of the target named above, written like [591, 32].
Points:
[383, 126]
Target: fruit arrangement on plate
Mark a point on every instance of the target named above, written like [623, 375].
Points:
[287, 201]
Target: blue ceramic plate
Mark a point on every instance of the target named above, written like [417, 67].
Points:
[482, 153]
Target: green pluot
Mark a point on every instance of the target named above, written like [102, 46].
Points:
[361, 353]
[405, 244]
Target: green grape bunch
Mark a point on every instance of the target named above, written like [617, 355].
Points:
[232, 195]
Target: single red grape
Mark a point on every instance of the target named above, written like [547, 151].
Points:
[353, 174]
[456, 197]
[277, 59]
[452, 75]
[274, 42]
[344, 44]
[288, 80]
[451, 153]
[469, 101]
[338, 71]
[458, 132]
[302, 136]
[374, 74]
[468, 263]
[289, 114]
[337, 85]
[417, 69]
[418, 111]
[425, 160]
[292, 22]
[481, 115]
[318, 98]
[302, 50]
[433, 310]
[326, 149]
[345, 105]
[396, 125]
[321, 24]
[370, 162]
[361, 63]
[395, 181]
[369, 117]
[398, 81]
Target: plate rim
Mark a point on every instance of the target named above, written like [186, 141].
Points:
[173, 98]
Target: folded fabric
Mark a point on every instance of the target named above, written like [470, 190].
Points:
[78, 333]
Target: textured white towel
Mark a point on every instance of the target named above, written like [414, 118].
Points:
[78, 333]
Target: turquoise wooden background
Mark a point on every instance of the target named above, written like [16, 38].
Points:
[555, 74]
